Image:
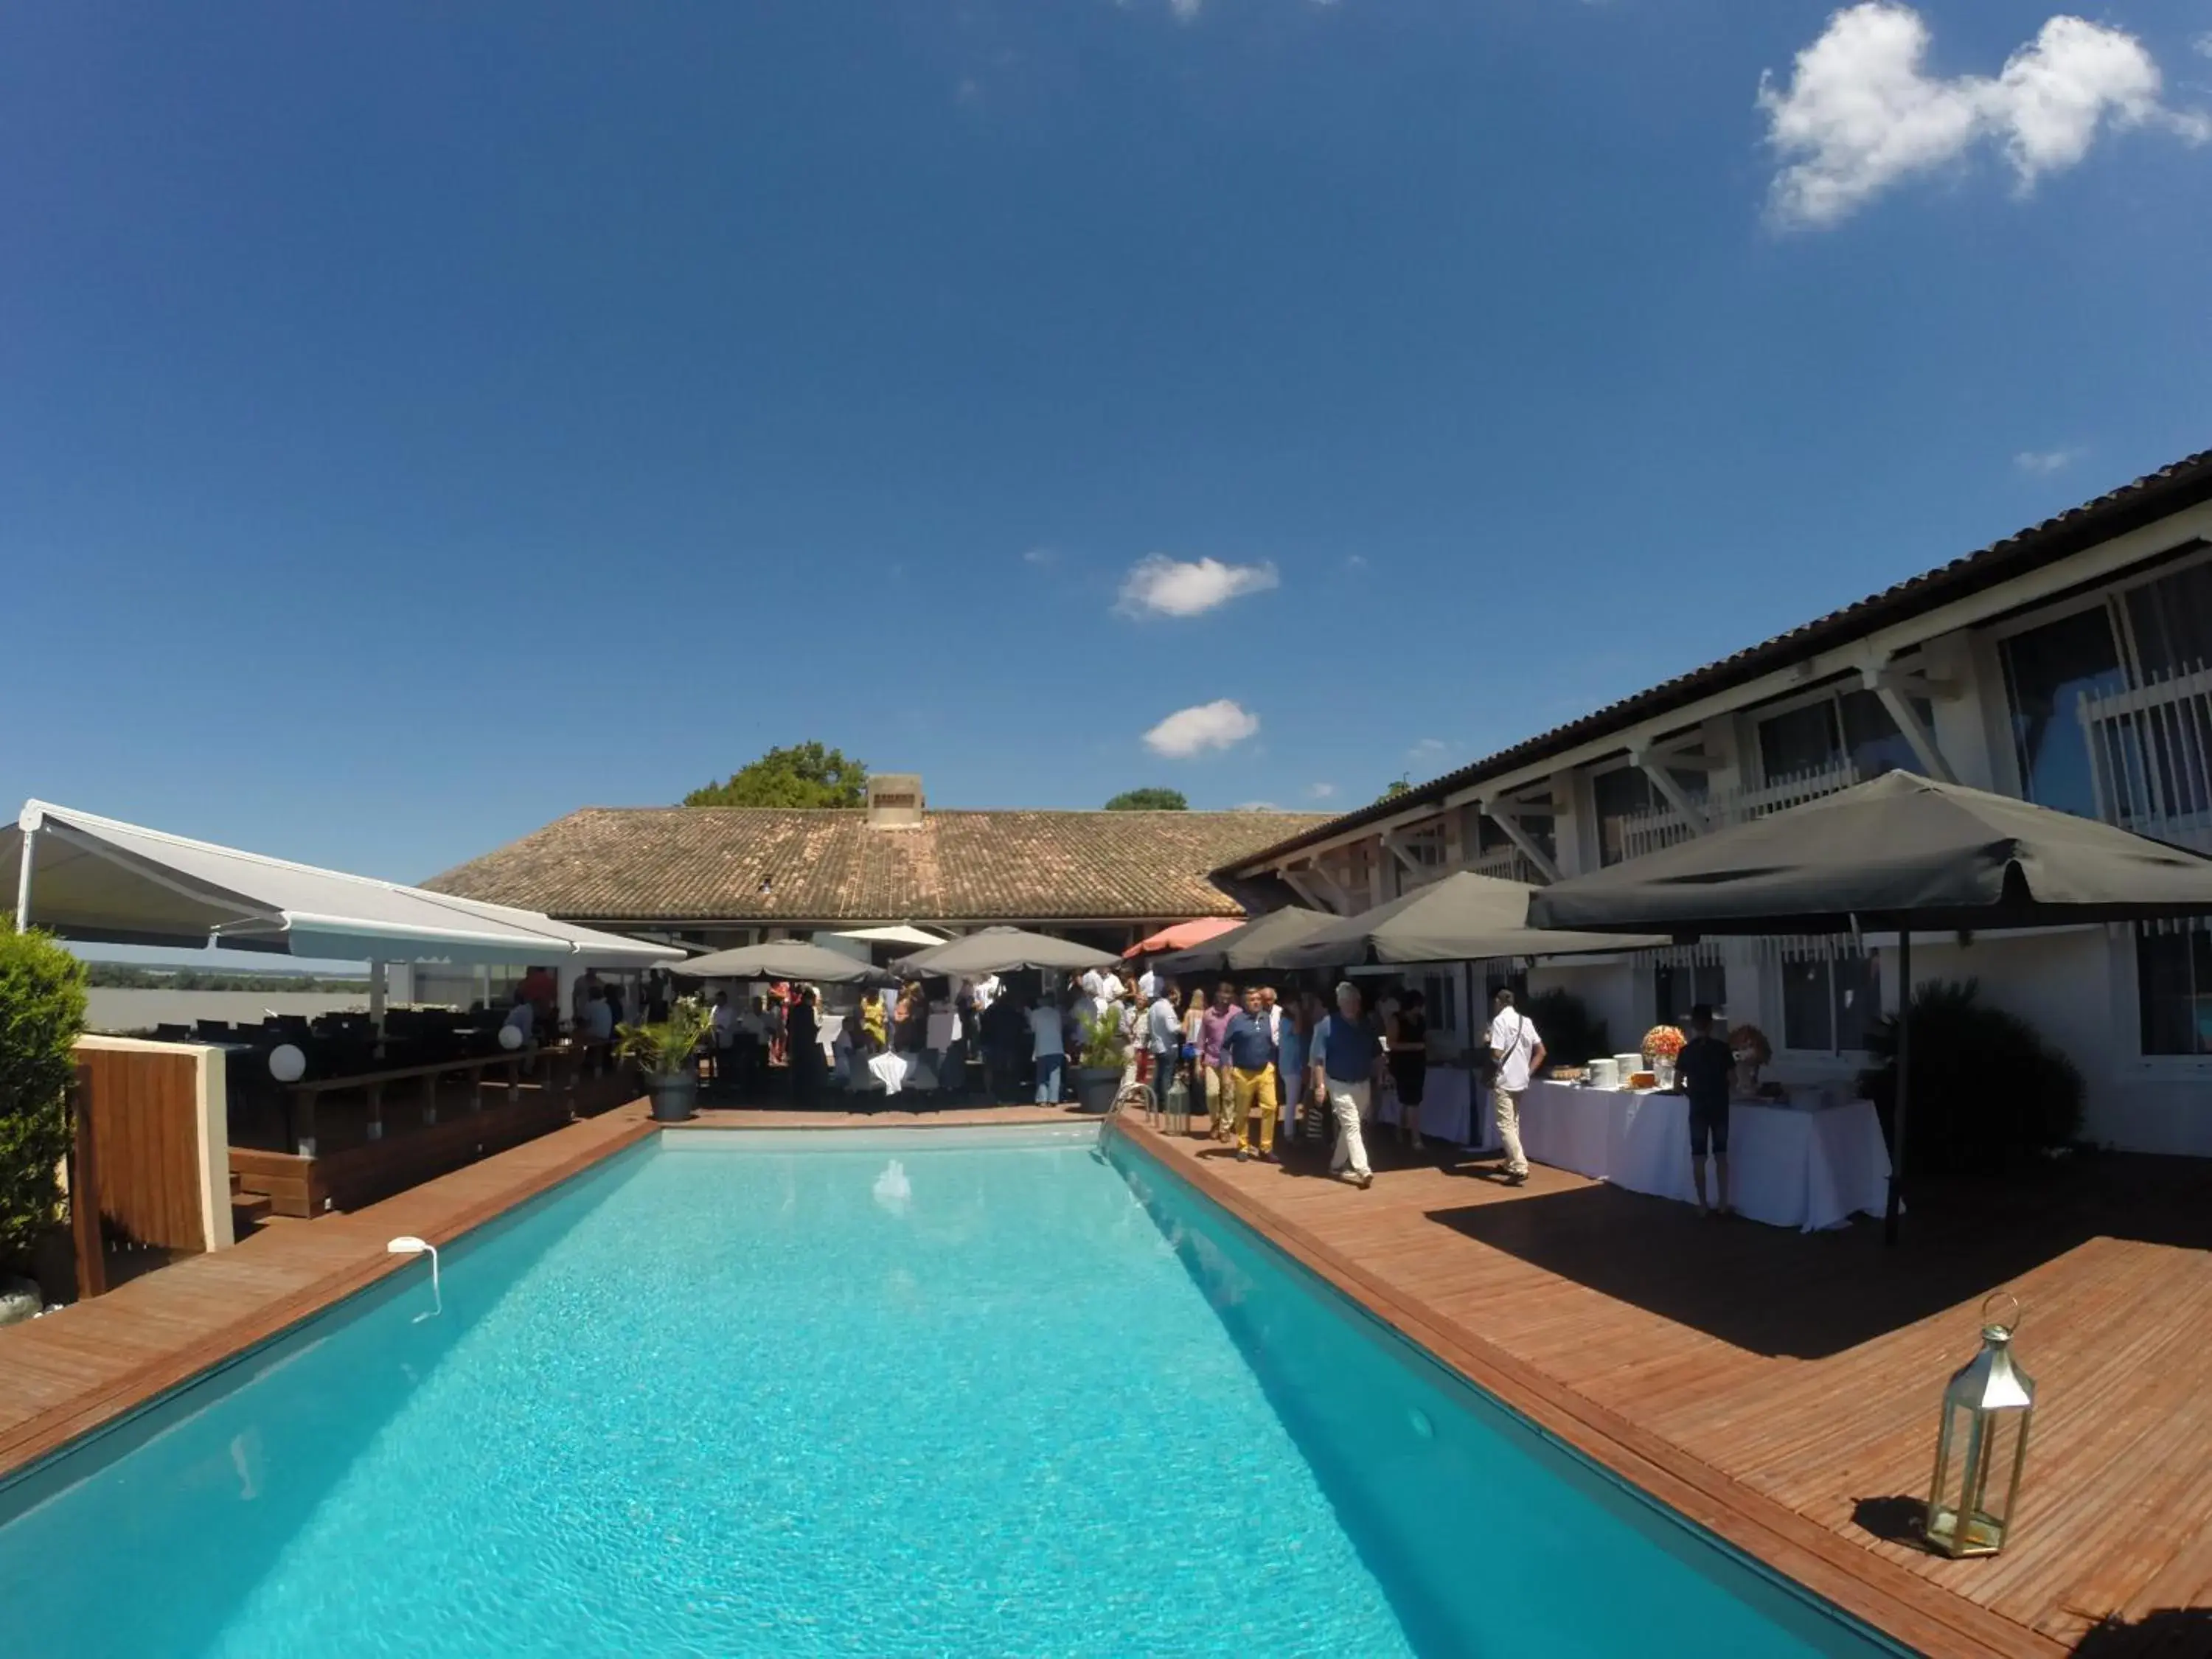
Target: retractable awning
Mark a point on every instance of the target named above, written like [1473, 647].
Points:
[896, 933]
[101, 881]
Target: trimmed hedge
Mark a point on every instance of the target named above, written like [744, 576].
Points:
[41, 1015]
[1987, 1089]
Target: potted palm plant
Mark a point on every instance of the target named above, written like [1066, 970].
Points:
[1099, 1065]
[664, 1051]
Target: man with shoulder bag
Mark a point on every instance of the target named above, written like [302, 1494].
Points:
[1516, 1053]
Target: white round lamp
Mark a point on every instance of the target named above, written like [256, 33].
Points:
[510, 1036]
[286, 1063]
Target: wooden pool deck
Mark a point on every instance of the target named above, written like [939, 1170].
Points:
[1782, 1388]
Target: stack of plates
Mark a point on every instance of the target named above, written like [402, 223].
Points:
[1605, 1072]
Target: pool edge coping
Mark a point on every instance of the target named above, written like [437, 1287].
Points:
[1907, 1609]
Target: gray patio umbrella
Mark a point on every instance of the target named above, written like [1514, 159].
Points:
[1463, 917]
[1000, 950]
[1900, 851]
[1245, 946]
[784, 958]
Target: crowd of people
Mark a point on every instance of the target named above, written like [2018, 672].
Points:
[1260, 1062]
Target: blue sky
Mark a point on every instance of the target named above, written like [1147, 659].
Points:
[417, 421]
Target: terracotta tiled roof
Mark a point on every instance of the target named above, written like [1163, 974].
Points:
[679, 863]
[2170, 489]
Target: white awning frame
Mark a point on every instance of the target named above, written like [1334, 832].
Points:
[152, 887]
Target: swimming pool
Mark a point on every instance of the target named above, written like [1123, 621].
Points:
[941, 1392]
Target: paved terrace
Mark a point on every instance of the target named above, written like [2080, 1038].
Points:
[1782, 1388]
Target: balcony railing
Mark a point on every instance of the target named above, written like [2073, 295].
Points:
[2151, 756]
[1662, 826]
[1507, 863]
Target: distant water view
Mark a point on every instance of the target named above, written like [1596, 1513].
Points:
[109, 1009]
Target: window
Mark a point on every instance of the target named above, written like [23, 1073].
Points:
[1829, 1003]
[1625, 794]
[443, 984]
[1618, 796]
[2171, 619]
[1802, 740]
[1844, 726]
[2173, 989]
[1871, 738]
[1681, 989]
[2048, 672]
[1486, 836]
[1440, 994]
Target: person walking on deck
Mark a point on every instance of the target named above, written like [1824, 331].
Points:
[1049, 1047]
[1409, 1064]
[1293, 1041]
[1347, 1064]
[1517, 1052]
[1706, 1068]
[1220, 1098]
[803, 1042]
[1163, 1040]
[1249, 1045]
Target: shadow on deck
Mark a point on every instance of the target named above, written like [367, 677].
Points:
[1810, 1296]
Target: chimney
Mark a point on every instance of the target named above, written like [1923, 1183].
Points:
[895, 800]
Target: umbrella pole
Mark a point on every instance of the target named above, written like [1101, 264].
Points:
[1904, 1088]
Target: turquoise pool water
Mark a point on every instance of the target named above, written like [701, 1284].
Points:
[936, 1393]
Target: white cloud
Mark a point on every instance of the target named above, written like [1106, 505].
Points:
[1860, 111]
[1355, 562]
[1321, 791]
[1186, 11]
[1160, 586]
[2045, 461]
[2203, 44]
[1190, 731]
[1040, 556]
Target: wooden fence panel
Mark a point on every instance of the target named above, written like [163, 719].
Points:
[144, 1112]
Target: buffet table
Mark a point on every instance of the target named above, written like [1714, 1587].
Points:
[1790, 1166]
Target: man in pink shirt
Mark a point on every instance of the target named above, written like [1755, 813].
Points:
[1220, 1095]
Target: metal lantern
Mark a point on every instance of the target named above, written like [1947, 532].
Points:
[1982, 1445]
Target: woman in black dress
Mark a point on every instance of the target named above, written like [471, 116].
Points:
[1409, 1064]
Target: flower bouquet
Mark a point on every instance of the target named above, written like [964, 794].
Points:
[1663, 1045]
[1751, 1051]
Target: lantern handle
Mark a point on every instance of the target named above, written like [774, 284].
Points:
[2007, 1325]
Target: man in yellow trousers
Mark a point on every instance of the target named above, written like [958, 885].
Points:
[1248, 1050]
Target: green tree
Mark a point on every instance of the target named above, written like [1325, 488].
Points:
[41, 1014]
[1395, 788]
[804, 774]
[1149, 801]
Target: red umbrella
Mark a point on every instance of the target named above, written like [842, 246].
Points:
[1182, 935]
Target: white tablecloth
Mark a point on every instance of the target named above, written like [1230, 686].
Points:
[893, 1072]
[1447, 1108]
[1787, 1166]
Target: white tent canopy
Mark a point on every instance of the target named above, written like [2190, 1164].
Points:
[95, 879]
[896, 933]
